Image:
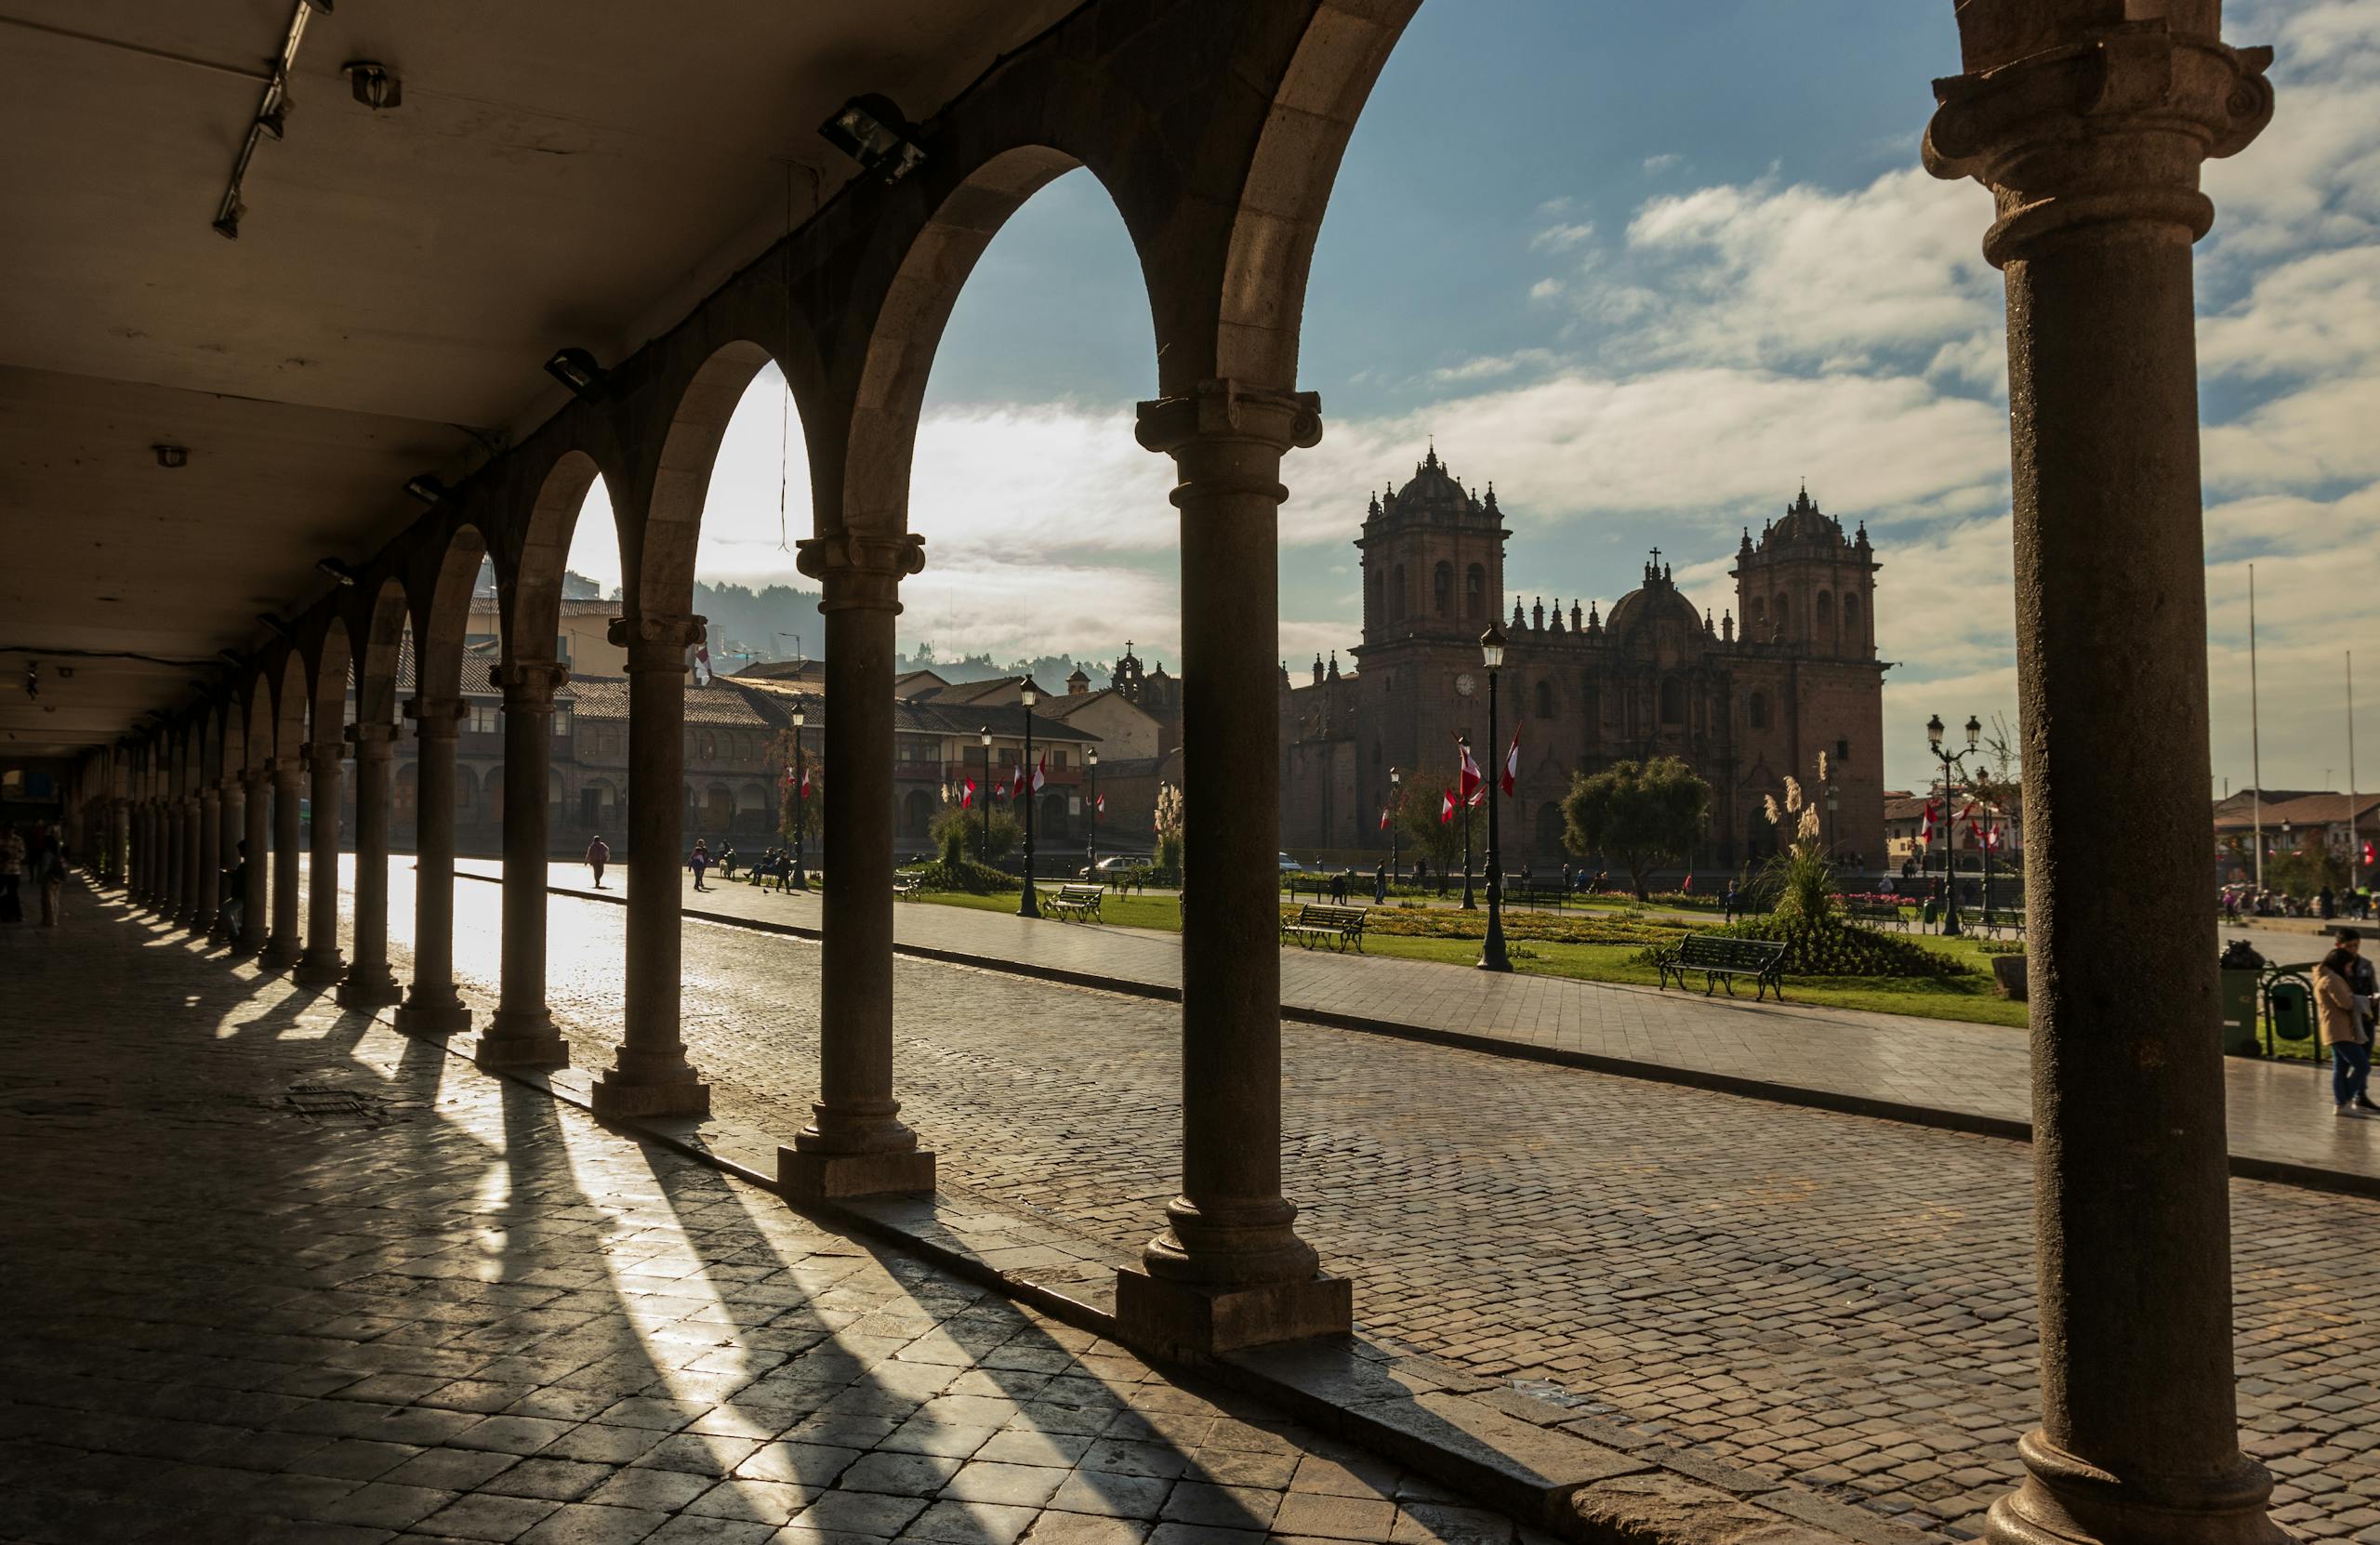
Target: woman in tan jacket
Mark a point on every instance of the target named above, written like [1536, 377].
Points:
[2342, 1012]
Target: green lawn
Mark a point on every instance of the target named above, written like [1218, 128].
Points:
[1968, 998]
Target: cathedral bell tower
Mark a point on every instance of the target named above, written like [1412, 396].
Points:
[1806, 587]
[1434, 560]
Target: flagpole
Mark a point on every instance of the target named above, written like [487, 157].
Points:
[2354, 850]
[2255, 744]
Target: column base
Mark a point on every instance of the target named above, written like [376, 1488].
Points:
[809, 1177]
[513, 1039]
[418, 1018]
[617, 1096]
[1189, 1319]
[374, 991]
[2065, 1501]
[279, 956]
[316, 971]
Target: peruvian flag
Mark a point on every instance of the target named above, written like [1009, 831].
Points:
[1100, 804]
[1470, 777]
[1689, 885]
[702, 672]
[1446, 808]
[1018, 792]
[1383, 818]
[1925, 827]
[1975, 830]
[1991, 838]
[967, 795]
[1040, 772]
[1512, 761]
[805, 782]
[788, 777]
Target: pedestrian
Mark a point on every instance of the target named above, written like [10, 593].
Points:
[727, 861]
[597, 854]
[700, 862]
[235, 895]
[12, 876]
[1730, 902]
[2345, 1015]
[1338, 887]
[1567, 885]
[1380, 884]
[48, 870]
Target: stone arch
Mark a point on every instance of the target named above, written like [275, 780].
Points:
[256, 719]
[440, 601]
[1545, 699]
[1756, 610]
[717, 809]
[868, 486]
[1756, 710]
[1784, 611]
[1328, 77]
[329, 672]
[658, 546]
[528, 585]
[376, 637]
[917, 813]
[1402, 592]
[1822, 613]
[285, 681]
[1474, 592]
[1442, 589]
[1851, 618]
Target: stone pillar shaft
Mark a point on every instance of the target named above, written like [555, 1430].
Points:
[256, 820]
[193, 907]
[522, 1033]
[1230, 1268]
[2090, 133]
[320, 966]
[431, 1004]
[651, 1075]
[856, 1143]
[368, 983]
[210, 860]
[288, 853]
[169, 859]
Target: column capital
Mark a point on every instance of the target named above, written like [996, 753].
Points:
[2075, 117]
[435, 718]
[529, 685]
[372, 740]
[656, 642]
[321, 752]
[1225, 409]
[257, 779]
[284, 771]
[861, 569]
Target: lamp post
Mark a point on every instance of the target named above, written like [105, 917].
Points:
[1468, 904]
[1492, 958]
[984, 799]
[1950, 761]
[1090, 815]
[1395, 815]
[1029, 903]
[801, 797]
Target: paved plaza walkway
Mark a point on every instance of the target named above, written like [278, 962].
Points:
[1841, 1302]
[274, 1274]
[1976, 1077]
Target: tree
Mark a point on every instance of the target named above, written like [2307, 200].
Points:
[1420, 832]
[811, 811]
[957, 831]
[1168, 829]
[2306, 868]
[1640, 815]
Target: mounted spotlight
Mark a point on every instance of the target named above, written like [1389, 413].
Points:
[429, 490]
[576, 369]
[374, 84]
[338, 571]
[274, 119]
[872, 130]
[273, 620]
[170, 455]
[233, 658]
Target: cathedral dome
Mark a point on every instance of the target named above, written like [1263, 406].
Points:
[1432, 486]
[1804, 523]
[1656, 601]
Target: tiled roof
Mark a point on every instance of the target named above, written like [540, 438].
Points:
[1004, 720]
[603, 697]
[2305, 810]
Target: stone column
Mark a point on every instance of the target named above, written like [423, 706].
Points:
[234, 806]
[255, 810]
[856, 1143]
[2088, 122]
[368, 983]
[210, 861]
[120, 843]
[432, 1006]
[522, 1033]
[320, 965]
[282, 948]
[169, 859]
[1230, 1271]
[651, 1075]
[144, 850]
[193, 908]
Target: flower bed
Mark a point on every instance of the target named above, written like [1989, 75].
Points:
[1830, 947]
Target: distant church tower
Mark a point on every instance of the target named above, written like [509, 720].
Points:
[1805, 584]
[1434, 559]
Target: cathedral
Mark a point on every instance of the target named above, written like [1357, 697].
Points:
[1746, 705]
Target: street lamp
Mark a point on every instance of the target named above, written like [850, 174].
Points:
[1950, 761]
[801, 797]
[1492, 958]
[1468, 903]
[983, 800]
[1395, 814]
[1090, 812]
[1029, 903]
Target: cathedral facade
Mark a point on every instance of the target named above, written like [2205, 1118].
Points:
[1746, 705]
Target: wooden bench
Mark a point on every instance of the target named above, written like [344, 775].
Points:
[1537, 896]
[1295, 880]
[907, 886]
[1074, 900]
[1340, 925]
[1877, 912]
[1725, 959]
[2010, 919]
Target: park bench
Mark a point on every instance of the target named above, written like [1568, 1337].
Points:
[907, 886]
[1537, 896]
[1721, 959]
[1877, 912]
[1997, 919]
[1074, 900]
[1340, 925]
[1294, 881]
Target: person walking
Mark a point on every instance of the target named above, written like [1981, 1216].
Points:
[1380, 884]
[12, 874]
[597, 854]
[48, 869]
[1730, 902]
[2345, 1015]
[235, 895]
[700, 864]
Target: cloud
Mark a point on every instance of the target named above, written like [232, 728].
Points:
[1668, 161]
[1562, 238]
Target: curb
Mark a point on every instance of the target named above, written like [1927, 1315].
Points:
[2242, 1166]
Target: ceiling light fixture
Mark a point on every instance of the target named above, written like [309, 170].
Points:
[170, 455]
[271, 117]
[273, 620]
[872, 130]
[576, 369]
[346, 576]
[233, 658]
[374, 84]
[429, 490]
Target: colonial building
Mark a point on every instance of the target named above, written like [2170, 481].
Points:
[1745, 706]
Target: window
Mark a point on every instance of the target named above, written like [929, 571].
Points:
[483, 720]
[1059, 757]
[1442, 589]
[706, 746]
[1672, 701]
[1756, 711]
[1784, 613]
[1475, 593]
[1373, 584]
[1851, 617]
[916, 748]
[562, 718]
[1823, 614]
[1759, 610]
[1400, 590]
[1545, 700]
[562, 648]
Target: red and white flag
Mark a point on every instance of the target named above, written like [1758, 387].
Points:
[805, 782]
[1040, 772]
[1018, 791]
[967, 795]
[1470, 777]
[1512, 761]
[1383, 818]
[1101, 804]
[702, 672]
[1925, 827]
[1446, 808]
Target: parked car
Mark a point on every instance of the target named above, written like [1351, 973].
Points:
[1110, 866]
[1290, 866]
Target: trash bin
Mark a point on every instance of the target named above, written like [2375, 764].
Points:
[2290, 1002]
[2235, 999]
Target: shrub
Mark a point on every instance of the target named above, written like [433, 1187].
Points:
[1829, 946]
[974, 879]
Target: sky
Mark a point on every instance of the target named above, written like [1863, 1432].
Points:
[1648, 268]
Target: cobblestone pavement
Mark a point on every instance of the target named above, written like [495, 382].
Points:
[326, 1284]
[1841, 1301]
[2276, 1112]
